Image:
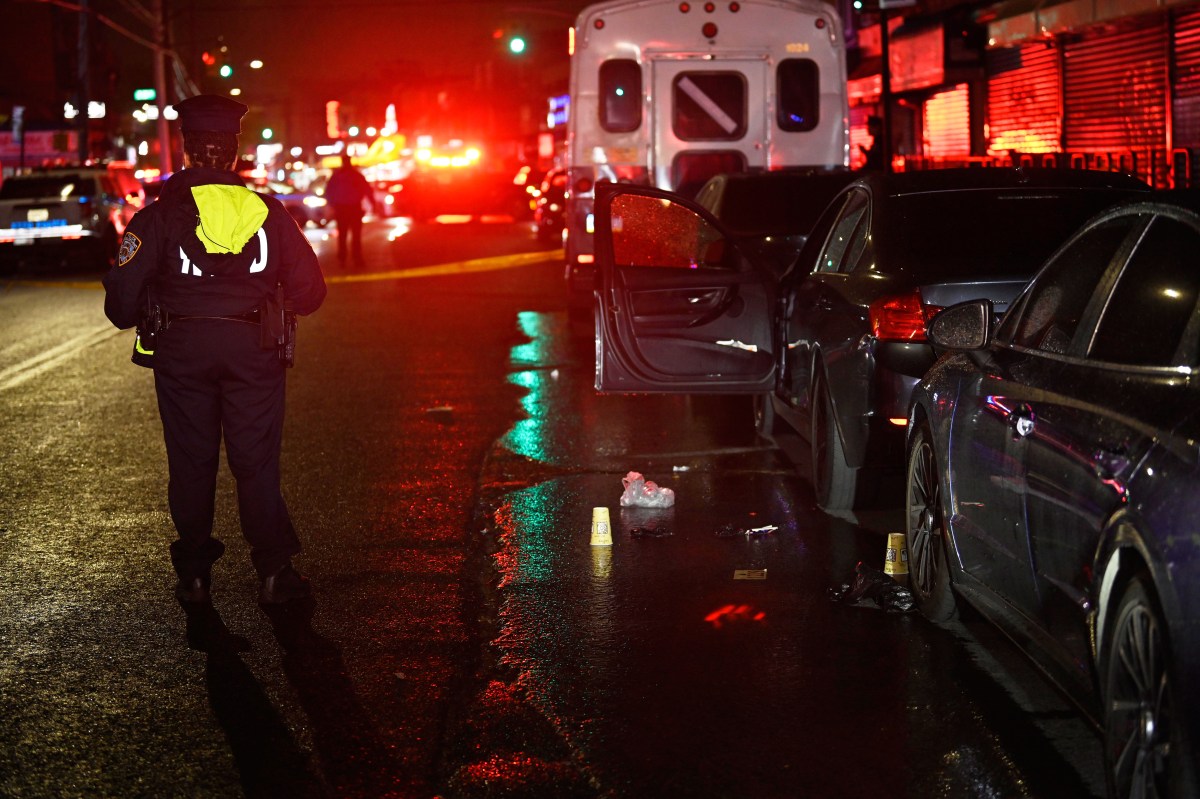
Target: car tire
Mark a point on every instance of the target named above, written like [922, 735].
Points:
[764, 415]
[926, 536]
[1137, 691]
[834, 482]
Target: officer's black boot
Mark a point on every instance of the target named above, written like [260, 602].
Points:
[194, 589]
[284, 585]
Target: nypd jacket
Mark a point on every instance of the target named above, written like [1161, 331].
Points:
[211, 247]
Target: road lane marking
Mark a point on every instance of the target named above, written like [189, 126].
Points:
[17, 374]
[489, 264]
[46, 360]
[455, 268]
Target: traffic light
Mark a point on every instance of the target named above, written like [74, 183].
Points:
[513, 41]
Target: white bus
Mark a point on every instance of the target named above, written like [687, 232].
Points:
[669, 93]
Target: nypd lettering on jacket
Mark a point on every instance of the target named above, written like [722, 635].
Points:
[210, 246]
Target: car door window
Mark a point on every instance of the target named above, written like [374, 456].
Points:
[839, 244]
[648, 231]
[1050, 311]
[1154, 298]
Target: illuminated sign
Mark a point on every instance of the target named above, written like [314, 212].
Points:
[332, 126]
[145, 95]
[560, 108]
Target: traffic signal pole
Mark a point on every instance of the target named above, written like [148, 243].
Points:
[885, 89]
[160, 86]
[84, 55]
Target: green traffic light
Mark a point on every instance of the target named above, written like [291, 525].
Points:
[516, 45]
[226, 70]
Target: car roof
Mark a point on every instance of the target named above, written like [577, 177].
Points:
[1185, 199]
[970, 178]
[779, 201]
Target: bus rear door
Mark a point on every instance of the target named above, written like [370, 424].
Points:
[709, 116]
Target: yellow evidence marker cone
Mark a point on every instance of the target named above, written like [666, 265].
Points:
[895, 562]
[601, 528]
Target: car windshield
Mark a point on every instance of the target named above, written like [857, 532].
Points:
[984, 232]
[43, 186]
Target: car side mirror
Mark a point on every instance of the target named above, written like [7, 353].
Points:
[963, 327]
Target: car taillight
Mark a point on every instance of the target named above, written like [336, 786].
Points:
[901, 318]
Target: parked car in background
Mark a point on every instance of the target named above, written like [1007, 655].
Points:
[152, 187]
[306, 207]
[389, 196]
[549, 206]
[1053, 481]
[73, 214]
[833, 348]
[770, 214]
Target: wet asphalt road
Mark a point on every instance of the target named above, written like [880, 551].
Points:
[442, 455]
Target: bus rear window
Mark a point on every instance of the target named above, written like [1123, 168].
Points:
[620, 95]
[799, 94]
[709, 106]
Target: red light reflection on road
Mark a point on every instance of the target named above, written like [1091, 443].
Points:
[734, 614]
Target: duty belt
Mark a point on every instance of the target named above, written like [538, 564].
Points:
[251, 317]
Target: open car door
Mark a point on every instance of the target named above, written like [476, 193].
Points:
[680, 309]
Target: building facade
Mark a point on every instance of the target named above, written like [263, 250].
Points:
[1100, 84]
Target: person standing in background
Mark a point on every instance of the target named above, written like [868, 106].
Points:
[346, 191]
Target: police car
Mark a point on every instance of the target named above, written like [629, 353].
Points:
[76, 215]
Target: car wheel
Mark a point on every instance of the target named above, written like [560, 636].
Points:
[764, 415]
[1138, 732]
[925, 529]
[833, 480]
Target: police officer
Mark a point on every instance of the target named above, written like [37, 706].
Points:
[207, 266]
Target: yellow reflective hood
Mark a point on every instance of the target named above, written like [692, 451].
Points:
[229, 216]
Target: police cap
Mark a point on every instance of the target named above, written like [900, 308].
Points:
[210, 112]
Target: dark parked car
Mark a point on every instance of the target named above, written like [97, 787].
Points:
[833, 348]
[74, 214]
[549, 205]
[770, 214]
[1054, 481]
[306, 207]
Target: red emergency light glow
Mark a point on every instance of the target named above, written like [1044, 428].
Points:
[735, 7]
[709, 31]
[820, 23]
[901, 318]
[685, 7]
[598, 24]
[710, 7]
[732, 614]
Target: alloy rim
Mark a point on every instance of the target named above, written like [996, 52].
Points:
[820, 446]
[1139, 708]
[924, 515]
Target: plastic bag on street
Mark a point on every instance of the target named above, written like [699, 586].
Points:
[874, 588]
[643, 493]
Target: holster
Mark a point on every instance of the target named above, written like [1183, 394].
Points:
[277, 327]
[146, 336]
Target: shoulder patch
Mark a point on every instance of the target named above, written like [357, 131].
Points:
[129, 247]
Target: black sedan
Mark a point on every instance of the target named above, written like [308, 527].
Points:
[1054, 481]
[834, 347]
[771, 213]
